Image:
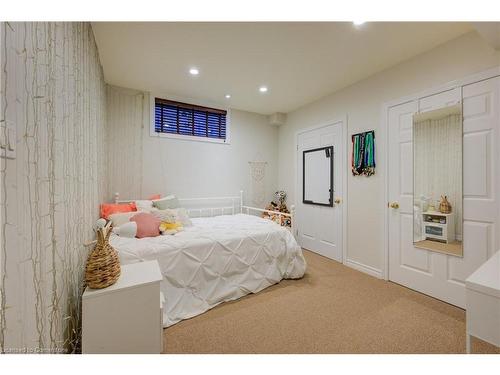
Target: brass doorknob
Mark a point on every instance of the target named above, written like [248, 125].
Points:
[394, 205]
[337, 200]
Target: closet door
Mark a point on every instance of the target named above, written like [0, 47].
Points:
[439, 275]
[320, 228]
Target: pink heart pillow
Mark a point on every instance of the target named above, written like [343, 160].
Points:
[148, 225]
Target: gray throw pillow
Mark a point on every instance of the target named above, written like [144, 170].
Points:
[170, 201]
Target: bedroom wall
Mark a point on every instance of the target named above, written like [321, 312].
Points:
[53, 94]
[362, 103]
[140, 165]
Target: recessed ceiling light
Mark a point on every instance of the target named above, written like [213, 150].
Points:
[358, 23]
[263, 89]
[228, 96]
[194, 71]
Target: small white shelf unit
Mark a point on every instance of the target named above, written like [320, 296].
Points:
[126, 317]
[438, 226]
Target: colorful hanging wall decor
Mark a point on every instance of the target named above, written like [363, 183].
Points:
[363, 153]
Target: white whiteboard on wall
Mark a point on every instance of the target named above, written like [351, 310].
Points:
[318, 176]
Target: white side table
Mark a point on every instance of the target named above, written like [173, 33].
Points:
[483, 303]
[125, 317]
[443, 230]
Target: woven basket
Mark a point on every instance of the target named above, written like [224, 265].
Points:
[103, 265]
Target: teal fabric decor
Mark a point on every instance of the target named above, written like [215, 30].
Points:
[363, 153]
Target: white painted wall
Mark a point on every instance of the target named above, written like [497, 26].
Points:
[184, 167]
[362, 104]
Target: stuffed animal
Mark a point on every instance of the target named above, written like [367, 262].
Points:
[170, 228]
[280, 197]
[169, 223]
[281, 207]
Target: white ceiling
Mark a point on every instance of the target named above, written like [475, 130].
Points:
[299, 62]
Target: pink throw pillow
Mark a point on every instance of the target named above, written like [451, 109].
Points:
[148, 225]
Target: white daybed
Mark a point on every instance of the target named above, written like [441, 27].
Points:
[221, 257]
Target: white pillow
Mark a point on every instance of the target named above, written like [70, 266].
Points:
[183, 217]
[100, 223]
[174, 214]
[144, 205]
[167, 215]
[121, 218]
[128, 230]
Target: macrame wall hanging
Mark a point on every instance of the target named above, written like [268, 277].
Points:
[258, 171]
[363, 153]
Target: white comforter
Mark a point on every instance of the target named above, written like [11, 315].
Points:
[217, 259]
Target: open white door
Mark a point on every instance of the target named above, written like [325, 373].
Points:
[439, 275]
[320, 226]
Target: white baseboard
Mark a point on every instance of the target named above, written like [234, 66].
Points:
[372, 271]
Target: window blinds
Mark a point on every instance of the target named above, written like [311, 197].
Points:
[187, 119]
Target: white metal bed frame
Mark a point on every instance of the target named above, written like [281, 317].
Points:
[237, 206]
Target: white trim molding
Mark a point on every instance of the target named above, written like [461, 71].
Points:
[372, 271]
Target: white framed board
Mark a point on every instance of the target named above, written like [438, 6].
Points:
[317, 176]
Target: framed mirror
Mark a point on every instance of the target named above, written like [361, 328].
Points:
[317, 176]
[438, 181]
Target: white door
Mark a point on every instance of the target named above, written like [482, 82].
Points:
[319, 228]
[438, 275]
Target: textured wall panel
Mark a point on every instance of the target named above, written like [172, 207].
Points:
[53, 92]
[125, 124]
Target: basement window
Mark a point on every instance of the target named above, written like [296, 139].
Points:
[183, 120]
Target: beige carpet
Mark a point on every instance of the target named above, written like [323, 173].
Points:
[333, 309]
[453, 248]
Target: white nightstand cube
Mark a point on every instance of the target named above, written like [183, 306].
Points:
[125, 317]
[438, 226]
[483, 302]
